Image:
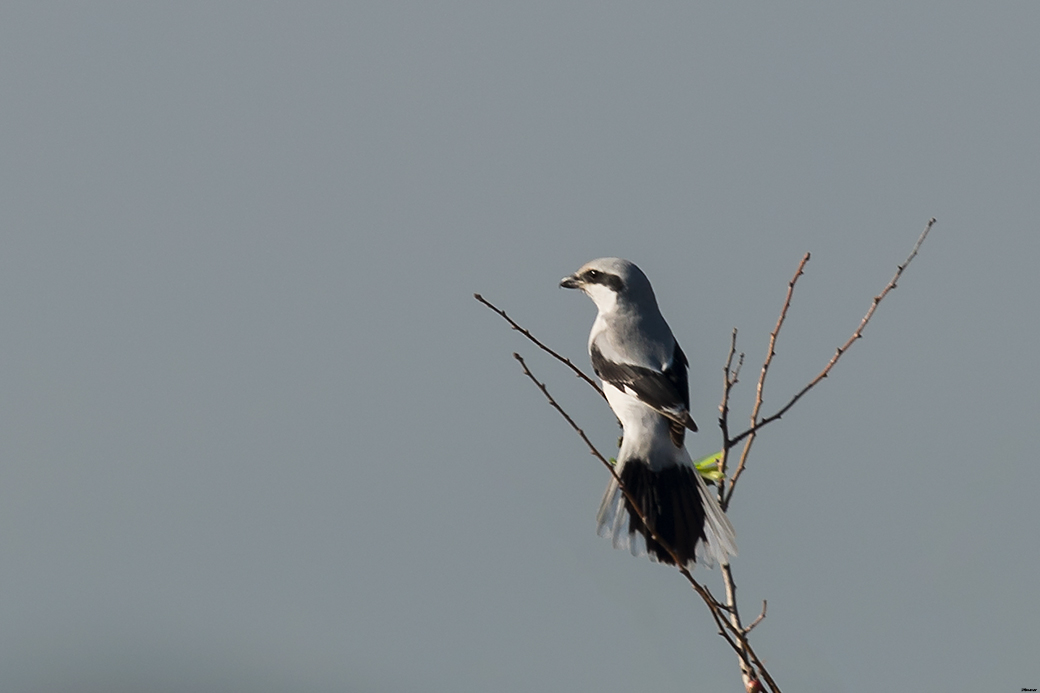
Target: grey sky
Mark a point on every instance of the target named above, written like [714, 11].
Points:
[256, 435]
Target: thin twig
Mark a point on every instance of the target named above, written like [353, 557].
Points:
[566, 361]
[744, 660]
[730, 378]
[740, 364]
[762, 378]
[738, 639]
[758, 620]
[748, 656]
[762, 670]
[844, 347]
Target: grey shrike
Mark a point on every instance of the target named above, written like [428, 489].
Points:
[644, 378]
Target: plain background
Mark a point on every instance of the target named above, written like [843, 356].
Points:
[256, 435]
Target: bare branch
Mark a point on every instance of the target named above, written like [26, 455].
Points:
[762, 378]
[545, 391]
[762, 671]
[730, 378]
[566, 361]
[776, 332]
[748, 656]
[736, 637]
[743, 658]
[740, 364]
[726, 615]
[758, 620]
[842, 349]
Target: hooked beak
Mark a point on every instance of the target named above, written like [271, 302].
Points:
[570, 282]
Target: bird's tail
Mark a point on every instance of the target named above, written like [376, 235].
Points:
[682, 511]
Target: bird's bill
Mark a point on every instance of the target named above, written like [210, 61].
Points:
[571, 282]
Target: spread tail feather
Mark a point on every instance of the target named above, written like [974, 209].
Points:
[677, 504]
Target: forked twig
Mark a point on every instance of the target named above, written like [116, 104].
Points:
[758, 620]
[844, 347]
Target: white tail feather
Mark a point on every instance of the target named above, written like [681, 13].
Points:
[721, 539]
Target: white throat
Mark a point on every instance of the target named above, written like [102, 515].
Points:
[604, 297]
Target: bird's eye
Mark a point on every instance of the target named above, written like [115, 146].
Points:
[592, 274]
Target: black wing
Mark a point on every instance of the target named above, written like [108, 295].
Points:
[667, 391]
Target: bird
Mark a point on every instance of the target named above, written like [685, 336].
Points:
[644, 375]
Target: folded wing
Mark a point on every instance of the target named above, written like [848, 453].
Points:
[666, 391]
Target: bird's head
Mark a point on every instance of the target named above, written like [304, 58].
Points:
[609, 281]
